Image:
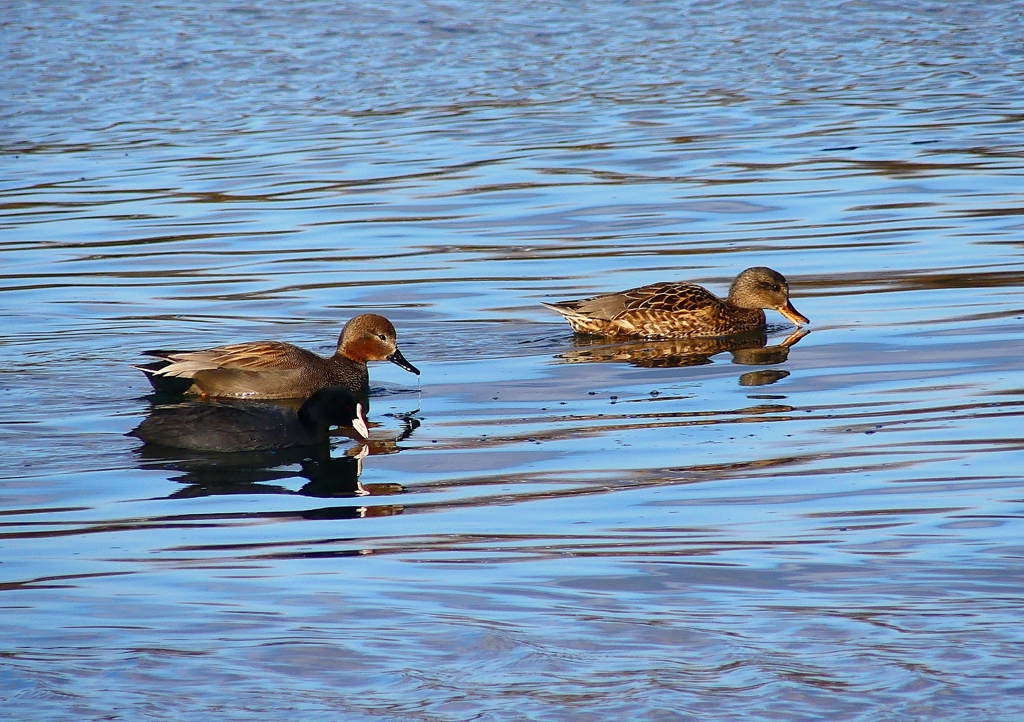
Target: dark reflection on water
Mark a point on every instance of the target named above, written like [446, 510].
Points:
[252, 472]
[750, 349]
[568, 529]
[762, 378]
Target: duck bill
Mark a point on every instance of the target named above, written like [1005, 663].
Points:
[792, 314]
[359, 423]
[399, 360]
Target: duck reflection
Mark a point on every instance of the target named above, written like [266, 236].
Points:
[762, 378]
[208, 474]
[264, 472]
[268, 471]
[750, 349]
[228, 426]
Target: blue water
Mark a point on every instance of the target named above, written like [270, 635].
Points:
[556, 529]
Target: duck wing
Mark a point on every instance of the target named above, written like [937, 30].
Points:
[255, 356]
[663, 297]
[666, 298]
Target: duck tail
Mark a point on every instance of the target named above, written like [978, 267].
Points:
[160, 383]
[566, 308]
[579, 322]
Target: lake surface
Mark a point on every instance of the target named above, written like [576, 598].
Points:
[557, 528]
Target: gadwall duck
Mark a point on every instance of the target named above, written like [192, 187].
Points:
[680, 310]
[230, 426]
[276, 370]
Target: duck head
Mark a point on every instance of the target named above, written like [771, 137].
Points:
[371, 337]
[762, 287]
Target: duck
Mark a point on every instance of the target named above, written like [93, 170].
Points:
[232, 426]
[683, 310]
[277, 370]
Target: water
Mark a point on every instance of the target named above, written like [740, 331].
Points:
[556, 529]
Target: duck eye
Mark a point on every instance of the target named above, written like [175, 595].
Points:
[382, 337]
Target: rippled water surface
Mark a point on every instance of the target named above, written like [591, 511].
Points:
[828, 527]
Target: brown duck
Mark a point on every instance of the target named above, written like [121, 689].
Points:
[679, 310]
[276, 370]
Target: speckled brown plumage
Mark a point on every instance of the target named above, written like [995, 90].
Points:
[276, 370]
[680, 310]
